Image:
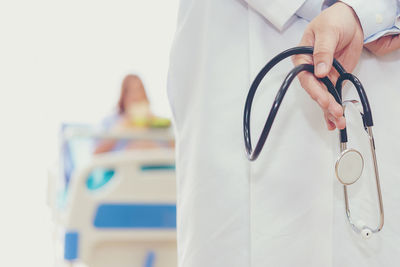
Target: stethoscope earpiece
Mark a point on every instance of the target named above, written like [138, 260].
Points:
[366, 233]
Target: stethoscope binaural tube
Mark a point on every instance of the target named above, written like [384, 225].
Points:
[336, 92]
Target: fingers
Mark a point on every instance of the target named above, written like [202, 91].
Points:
[329, 123]
[384, 45]
[325, 100]
[320, 94]
[334, 32]
[313, 87]
[307, 40]
[324, 49]
[307, 80]
[325, 42]
[334, 108]
[332, 123]
[341, 123]
[334, 115]
[394, 44]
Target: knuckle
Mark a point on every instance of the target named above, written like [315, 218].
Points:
[312, 94]
[301, 59]
[379, 52]
[322, 52]
[324, 102]
[314, 97]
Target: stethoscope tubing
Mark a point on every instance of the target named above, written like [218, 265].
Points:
[336, 92]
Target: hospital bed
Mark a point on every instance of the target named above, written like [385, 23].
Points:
[118, 209]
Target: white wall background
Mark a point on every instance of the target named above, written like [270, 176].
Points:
[63, 61]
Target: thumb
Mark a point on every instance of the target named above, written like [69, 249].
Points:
[324, 50]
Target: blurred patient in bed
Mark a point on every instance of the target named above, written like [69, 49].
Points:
[134, 115]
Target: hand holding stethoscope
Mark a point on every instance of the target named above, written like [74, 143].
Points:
[337, 32]
[350, 163]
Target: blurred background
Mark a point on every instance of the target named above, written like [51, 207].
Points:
[62, 65]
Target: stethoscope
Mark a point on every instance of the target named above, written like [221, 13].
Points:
[350, 163]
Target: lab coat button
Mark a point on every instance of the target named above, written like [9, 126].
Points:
[379, 18]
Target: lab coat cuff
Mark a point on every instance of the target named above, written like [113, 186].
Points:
[375, 16]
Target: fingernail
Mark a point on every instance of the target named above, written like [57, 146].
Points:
[331, 124]
[335, 110]
[332, 119]
[321, 68]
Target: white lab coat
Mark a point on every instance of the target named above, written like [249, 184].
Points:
[285, 209]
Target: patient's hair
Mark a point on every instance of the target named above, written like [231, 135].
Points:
[124, 90]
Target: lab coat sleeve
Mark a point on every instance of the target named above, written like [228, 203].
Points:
[277, 12]
[377, 17]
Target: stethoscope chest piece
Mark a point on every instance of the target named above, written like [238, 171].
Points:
[349, 166]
